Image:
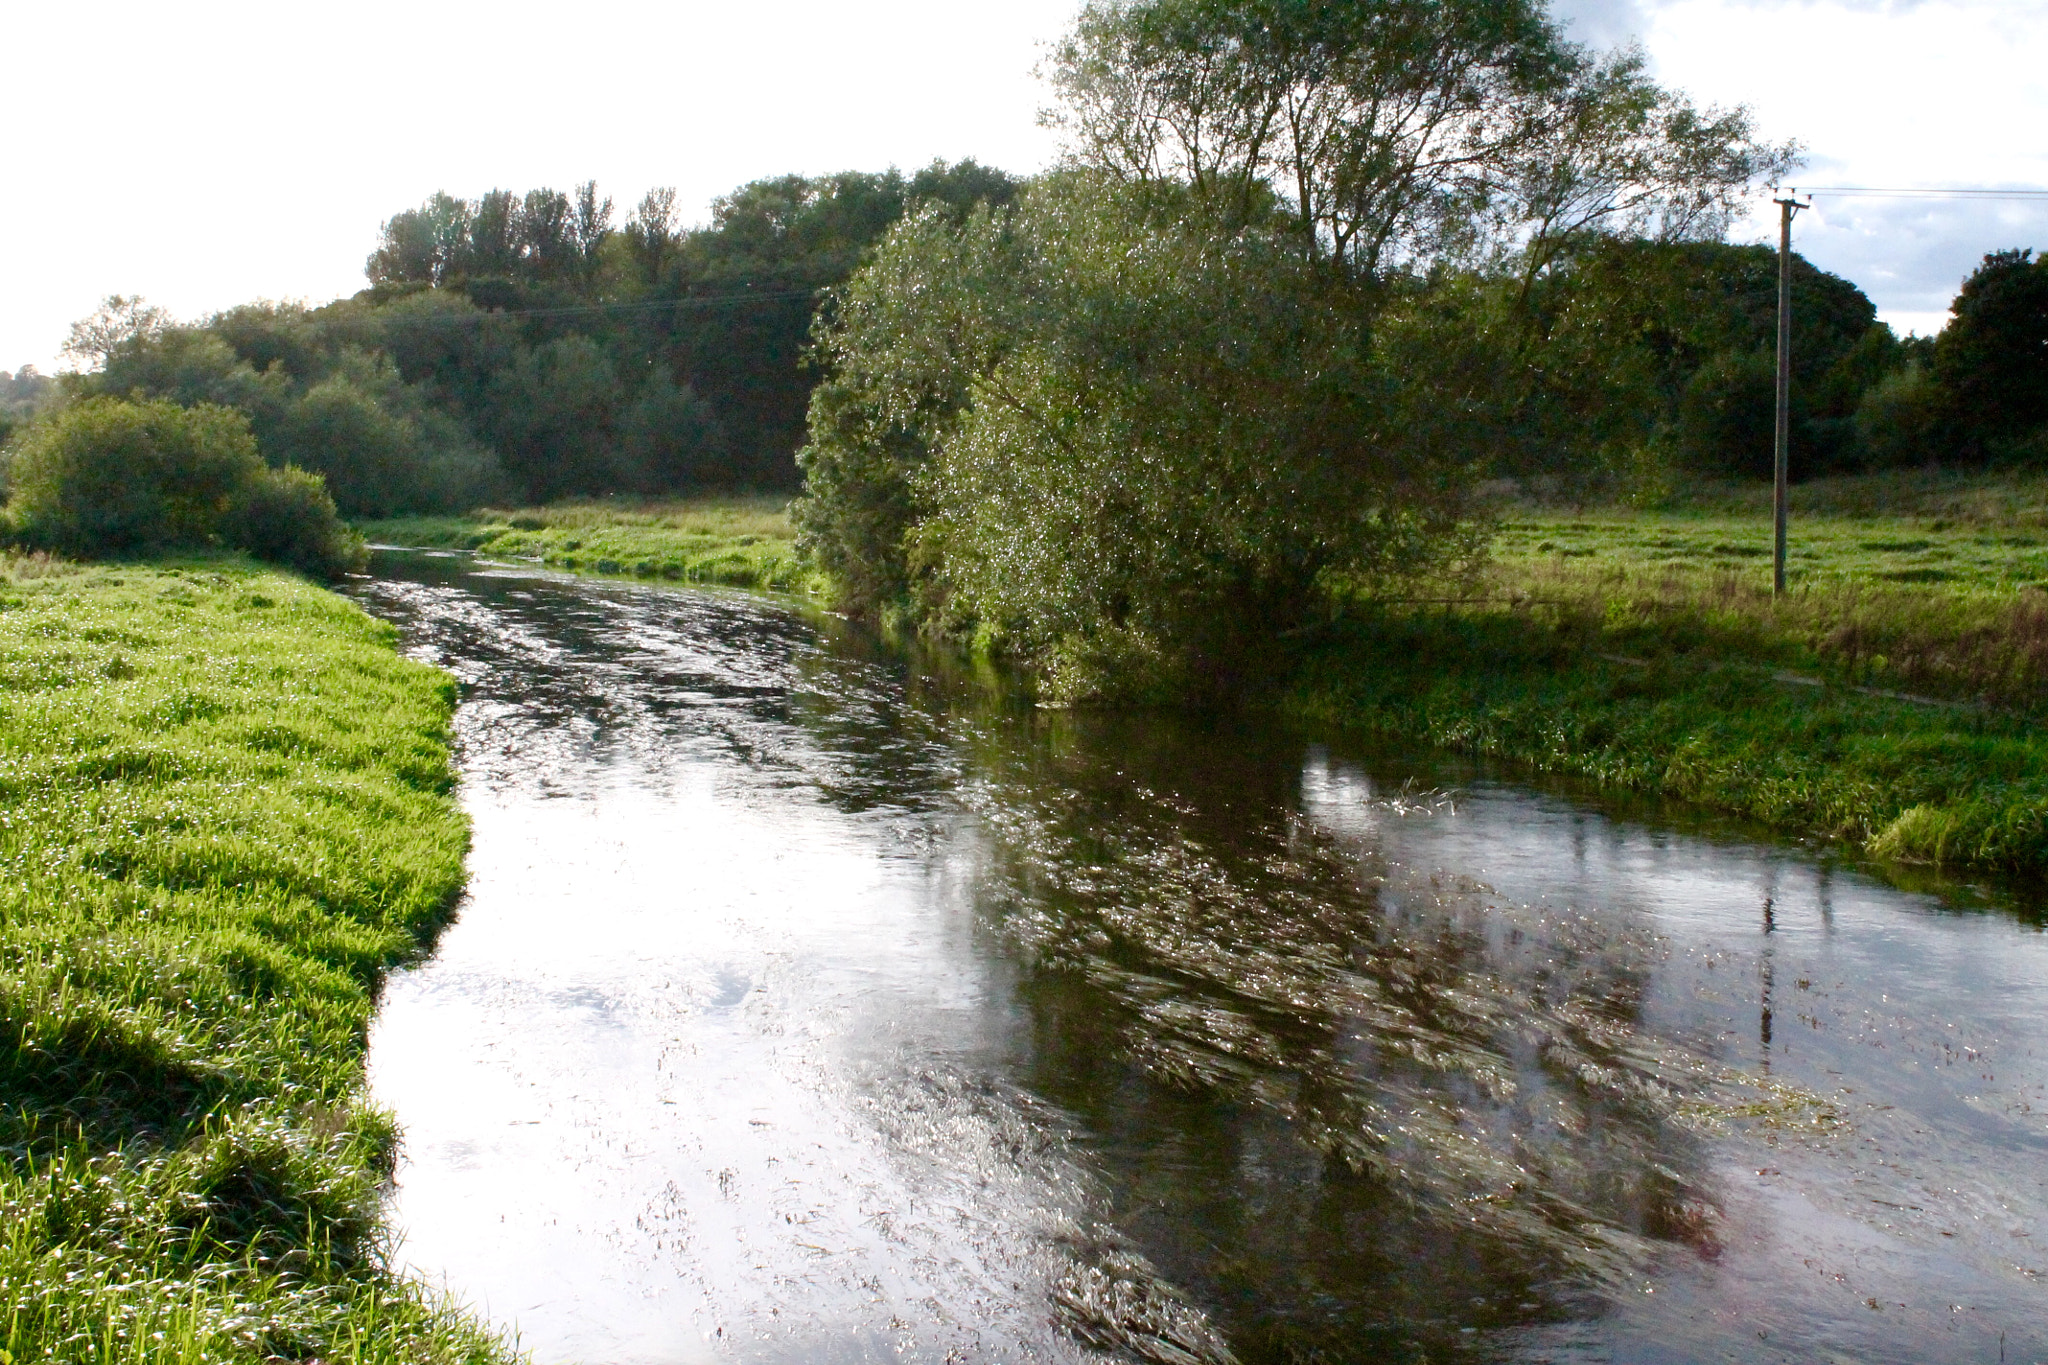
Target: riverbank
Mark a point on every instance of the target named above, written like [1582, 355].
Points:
[225, 812]
[1893, 698]
[740, 542]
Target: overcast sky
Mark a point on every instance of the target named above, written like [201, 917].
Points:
[207, 153]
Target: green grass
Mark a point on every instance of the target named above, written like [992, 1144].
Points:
[225, 812]
[738, 542]
[1894, 697]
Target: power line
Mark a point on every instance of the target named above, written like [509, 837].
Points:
[1908, 192]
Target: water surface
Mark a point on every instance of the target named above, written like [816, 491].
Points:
[809, 1004]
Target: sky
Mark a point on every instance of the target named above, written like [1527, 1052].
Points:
[210, 153]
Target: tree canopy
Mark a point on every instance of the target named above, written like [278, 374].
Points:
[1302, 285]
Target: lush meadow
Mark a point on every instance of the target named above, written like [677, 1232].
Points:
[741, 542]
[1892, 697]
[225, 812]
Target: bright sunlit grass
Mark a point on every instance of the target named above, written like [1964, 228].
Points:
[225, 811]
[736, 541]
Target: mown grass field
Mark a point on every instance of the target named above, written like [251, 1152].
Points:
[225, 812]
[1894, 697]
[741, 542]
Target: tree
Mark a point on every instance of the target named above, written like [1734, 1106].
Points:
[651, 235]
[1992, 358]
[120, 320]
[553, 420]
[426, 245]
[1131, 451]
[591, 228]
[1390, 134]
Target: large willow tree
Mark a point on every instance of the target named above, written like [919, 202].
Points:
[1258, 336]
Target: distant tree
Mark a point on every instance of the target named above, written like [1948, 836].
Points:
[591, 228]
[670, 440]
[1901, 418]
[493, 237]
[1992, 358]
[553, 418]
[1666, 337]
[120, 320]
[548, 249]
[426, 245]
[21, 394]
[651, 235]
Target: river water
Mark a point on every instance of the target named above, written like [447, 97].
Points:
[811, 1003]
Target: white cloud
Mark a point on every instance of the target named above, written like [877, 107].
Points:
[1930, 93]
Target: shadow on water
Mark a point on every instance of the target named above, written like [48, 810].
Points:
[1160, 1038]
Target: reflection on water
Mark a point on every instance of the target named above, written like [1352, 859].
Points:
[807, 1006]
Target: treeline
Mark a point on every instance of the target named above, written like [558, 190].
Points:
[21, 394]
[1311, 276]
[526, 347]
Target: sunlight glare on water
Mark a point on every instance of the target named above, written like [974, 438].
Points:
[808, 1006]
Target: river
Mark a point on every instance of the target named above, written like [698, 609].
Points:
[812, 1002]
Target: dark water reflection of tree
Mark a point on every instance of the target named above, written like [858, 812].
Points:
[1354, 1108]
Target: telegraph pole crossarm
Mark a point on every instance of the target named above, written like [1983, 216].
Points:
[1783, 445]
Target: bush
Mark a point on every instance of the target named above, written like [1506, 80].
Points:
[1899, 420]
[110, 476]
[381, 449]
[1728, 414]
[287, 516]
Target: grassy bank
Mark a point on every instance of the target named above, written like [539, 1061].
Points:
[1895, 697]
[224, 813]
[737, 542]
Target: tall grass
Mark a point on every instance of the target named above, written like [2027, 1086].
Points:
[742, 542]
[224, 812]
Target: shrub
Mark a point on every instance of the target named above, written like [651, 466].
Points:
[287, 516]
[1899, 419]
[110, 476]
[1727, 415]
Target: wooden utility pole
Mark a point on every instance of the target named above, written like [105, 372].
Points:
[1786, 208]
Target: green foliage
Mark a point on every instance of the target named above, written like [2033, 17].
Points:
[21, 395]
[106, 476]
[1992, 358]
[672, 441]
[652, 360]
[224, 813]
[286, 516]
[316, 399]
[1727, 416]
[1271, 326]
[1672, 347]
[1398, 134]
[1124, 447]
[1902, 419]
[553, 419]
